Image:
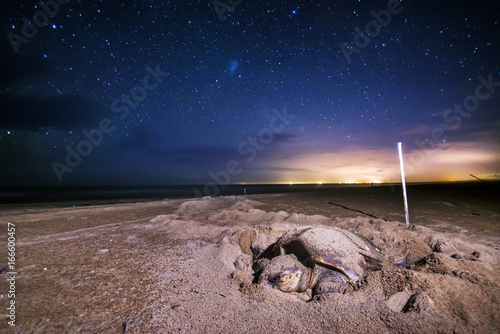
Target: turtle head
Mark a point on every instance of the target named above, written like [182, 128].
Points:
[286, 273]
[287, 280]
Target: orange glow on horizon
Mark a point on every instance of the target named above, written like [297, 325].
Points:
[447, 162]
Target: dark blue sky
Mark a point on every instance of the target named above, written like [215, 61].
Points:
[276, 91]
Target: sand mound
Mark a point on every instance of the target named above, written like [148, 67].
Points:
[450, 286]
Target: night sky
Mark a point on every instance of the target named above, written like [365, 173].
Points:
[185, 92]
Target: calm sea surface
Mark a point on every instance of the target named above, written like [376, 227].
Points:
[125, 193]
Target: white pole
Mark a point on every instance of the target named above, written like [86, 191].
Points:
[400, 149]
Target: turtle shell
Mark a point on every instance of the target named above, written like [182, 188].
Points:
[333, 248]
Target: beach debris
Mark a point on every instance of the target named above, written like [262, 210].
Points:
[398, 301]
[359, 211]
[103, 251]
[418, 302]
[403, 264]
[458, 256]
[478, 178]
[125, 325]
[325, 259]
[133, 239]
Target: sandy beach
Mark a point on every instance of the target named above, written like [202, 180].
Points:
[185, 265]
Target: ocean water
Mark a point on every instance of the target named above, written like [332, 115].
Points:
[460, 193]
[115, 194]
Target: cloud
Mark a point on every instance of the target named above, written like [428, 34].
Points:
[199, 155]
[17, 70]
[61, 112]
[280, 169]
[284, 138]
[153, 141]
[419, 130]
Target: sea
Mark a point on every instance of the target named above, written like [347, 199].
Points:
[120, 194]
[91, 195]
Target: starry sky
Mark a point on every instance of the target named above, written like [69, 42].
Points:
[230, 91]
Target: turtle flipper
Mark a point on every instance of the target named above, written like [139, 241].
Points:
[336, 265]
[372, 264]
[330, 281]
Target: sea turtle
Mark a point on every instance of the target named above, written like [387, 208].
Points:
[322, 258]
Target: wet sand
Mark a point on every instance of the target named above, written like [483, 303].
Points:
[184, 265]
